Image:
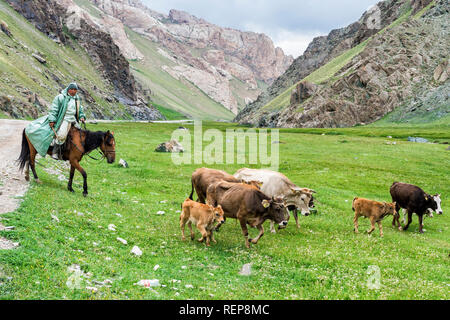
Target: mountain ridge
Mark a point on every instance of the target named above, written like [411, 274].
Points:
[320, 105]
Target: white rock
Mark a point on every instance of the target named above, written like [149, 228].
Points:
[246, 270]
[136, 251]
[122, 240]
[149, 283]
[156, 267]
[189, 286]
[160, 212]
[111, 227]
[123, 163]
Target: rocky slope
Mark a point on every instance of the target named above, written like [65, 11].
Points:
[114, 93]
[212, 58]
[345, 99]
[393, 68]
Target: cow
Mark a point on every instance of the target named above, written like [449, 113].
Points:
[414, 200]
[204, 177]
[248, 205]
[275, 184]
[203, 216]
[373, 210]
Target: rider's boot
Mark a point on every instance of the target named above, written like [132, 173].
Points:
[55, 152]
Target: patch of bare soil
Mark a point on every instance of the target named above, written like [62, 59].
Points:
[12, 182]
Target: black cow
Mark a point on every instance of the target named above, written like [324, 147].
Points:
[413, 199]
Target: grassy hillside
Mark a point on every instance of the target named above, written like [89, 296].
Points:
[322, 260]
[21, 74]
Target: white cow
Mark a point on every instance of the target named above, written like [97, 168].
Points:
[275, 184]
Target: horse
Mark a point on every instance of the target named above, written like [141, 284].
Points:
[78, 143]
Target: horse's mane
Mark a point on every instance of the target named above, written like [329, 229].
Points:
[93, 139]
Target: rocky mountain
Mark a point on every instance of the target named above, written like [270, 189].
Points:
[358, 74]
[75, 48]
[229, 66]
[177, 61]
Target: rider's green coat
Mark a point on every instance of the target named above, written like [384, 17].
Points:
[39, 131]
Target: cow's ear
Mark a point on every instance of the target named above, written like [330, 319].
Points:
[426, 197]
[265, 203]
[219, 206]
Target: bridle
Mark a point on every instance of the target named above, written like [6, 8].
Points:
[103, 153]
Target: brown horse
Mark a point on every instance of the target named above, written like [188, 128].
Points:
[79, 143]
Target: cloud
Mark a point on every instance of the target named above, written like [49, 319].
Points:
[293, 42]
[289, 23]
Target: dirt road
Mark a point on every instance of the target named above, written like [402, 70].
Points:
[12, 183]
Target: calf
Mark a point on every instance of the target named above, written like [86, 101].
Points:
[203, 216]
[373, 210]
[248, 205]
[414, 200]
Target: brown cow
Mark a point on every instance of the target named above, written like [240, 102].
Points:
[203, 216]
[373, 210]
[248, 205]
[202, 178]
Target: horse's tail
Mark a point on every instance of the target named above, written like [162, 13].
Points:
[24, 153]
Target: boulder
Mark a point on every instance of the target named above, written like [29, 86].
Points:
[5, 29]
[39, 58]
[171, 146]
[441, 72]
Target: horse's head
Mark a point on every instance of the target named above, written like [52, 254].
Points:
[108, 146]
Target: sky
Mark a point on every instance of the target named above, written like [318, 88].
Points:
[290, 24]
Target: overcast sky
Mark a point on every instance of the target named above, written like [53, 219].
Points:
[291, 24]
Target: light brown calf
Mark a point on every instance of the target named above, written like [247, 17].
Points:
[373, 210]
[203, 216]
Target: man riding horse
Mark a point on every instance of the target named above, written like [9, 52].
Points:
[46, 135]
[66, 111]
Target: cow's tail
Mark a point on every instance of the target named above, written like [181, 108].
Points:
[24, 157]
[353, 203]
[192, 190]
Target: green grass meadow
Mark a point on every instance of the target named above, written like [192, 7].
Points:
[324, 259]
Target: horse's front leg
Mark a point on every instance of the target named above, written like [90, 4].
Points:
[77, 166]
[72, 172]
